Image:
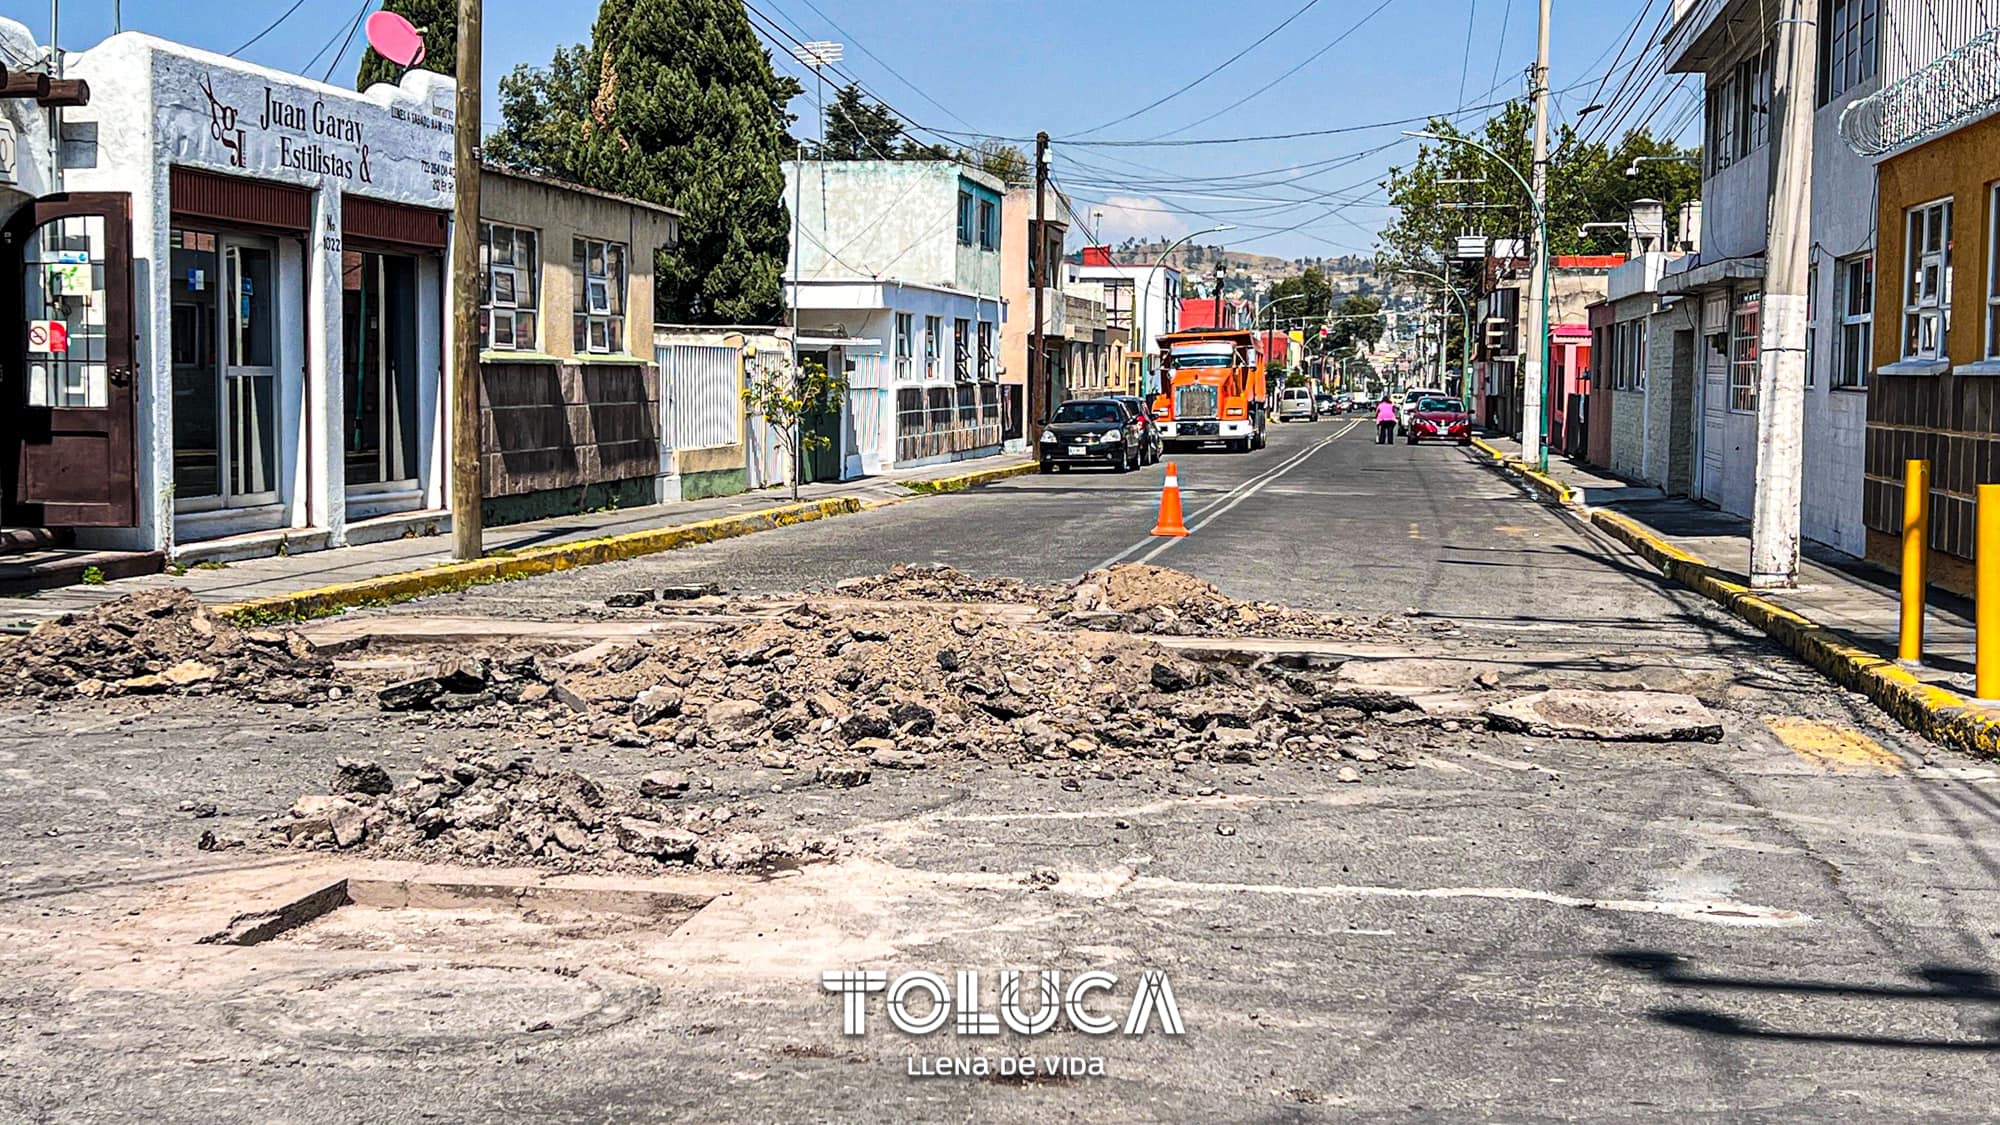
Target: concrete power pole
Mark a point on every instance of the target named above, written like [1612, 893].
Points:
[1038, 249]
[1782, 358]
[467, 491]
[1535, 356]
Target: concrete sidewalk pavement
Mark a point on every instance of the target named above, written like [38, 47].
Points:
[1844, 616]
[274, 578]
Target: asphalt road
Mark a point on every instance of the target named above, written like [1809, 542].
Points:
[1796, 923]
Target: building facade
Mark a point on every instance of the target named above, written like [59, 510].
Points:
[1142, 301]
[896, 266]
[243, 274]
[1031, 259]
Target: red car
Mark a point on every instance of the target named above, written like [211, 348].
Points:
[1440, 418]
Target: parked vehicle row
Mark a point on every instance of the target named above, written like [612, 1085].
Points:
[1116, 432]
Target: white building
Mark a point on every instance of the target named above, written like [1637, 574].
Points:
[897, 267]
[1142, 301]
[250, 268]
[1729, 43]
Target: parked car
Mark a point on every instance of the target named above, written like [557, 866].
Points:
[1438, 418]
[1091, 431]
[1328, 404]
[1407, 408]
[1295, 404]
[1154, 447]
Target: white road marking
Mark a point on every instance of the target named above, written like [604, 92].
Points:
[1227, 501]
[1721, 912]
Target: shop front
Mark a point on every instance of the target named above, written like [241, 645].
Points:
[234, 341]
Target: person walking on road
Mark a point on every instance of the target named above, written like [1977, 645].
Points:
[1385, 422]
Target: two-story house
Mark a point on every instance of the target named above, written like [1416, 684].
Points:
[1731, 45]
[1031, 258]
[895, 273]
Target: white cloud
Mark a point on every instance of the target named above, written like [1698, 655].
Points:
[1121, 217]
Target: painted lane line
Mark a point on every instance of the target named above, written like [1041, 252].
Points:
[1210, 515]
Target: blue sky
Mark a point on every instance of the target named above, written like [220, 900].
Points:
[1010, 67]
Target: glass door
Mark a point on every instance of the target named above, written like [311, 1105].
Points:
[249, 372]
[379, 348]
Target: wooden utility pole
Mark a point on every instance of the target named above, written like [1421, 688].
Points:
[1536, 354]
[467, 488]
[1038, 265]
[1782, 359]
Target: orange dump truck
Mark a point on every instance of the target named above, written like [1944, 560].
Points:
[1214, 391]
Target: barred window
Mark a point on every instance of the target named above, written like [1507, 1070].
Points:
[508, 283]
[599, 305]
[1746, 328]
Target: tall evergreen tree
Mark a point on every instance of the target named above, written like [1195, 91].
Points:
[675, 102]
[436, 21]
[859, 128]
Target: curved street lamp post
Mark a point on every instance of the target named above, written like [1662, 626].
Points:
[1465, 316]
[1139, 300]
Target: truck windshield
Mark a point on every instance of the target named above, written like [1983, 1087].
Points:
[1182, 362]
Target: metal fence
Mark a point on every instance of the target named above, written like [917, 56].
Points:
[941, 421]
[1957, 89]
[700, 396]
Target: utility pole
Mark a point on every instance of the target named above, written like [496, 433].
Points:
[1038, 367]
[1218, 294]
[467, 487]
[1536, 357]
[1782, 359]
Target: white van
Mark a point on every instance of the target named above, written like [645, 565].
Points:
[1296, 404]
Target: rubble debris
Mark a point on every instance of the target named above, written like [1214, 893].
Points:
[1610, 716]
[509, 809]
[164, 642]
[351, 775]
[907, 583]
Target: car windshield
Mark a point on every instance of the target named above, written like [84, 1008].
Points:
[1438, 406]
[1090, 412]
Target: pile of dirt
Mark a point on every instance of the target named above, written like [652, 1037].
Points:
[839, 693]
[907, 583]
[506, 810]
[164, 642]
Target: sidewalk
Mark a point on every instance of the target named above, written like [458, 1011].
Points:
[278, 576]
[1843, 617]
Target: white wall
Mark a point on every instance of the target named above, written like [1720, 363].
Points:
[1836, 421]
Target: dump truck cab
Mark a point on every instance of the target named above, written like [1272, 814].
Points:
[1214, 391]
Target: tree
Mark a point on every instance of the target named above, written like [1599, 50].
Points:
[858, 128]
[788, 402]
[1000, 159]
[436, 21]
[674, 102]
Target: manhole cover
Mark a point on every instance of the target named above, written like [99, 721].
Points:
[438, 1007]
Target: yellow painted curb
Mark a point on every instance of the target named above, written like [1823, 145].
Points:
[970, 480]
[1943, 716]
[1550, 488]
[389, 588]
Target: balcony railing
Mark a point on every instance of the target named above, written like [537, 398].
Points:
[1957, 89]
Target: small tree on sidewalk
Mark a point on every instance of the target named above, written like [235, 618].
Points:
[789, 403]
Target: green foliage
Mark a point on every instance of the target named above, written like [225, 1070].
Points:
[1296, 379]
[437, 21]
[858, 128]
[92, 576]
[1354, 321]
[675, 102]
[787, 403]
[1587, 184]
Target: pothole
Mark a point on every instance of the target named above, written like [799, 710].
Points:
[438, 1007]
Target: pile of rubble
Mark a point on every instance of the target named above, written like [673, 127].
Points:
[1136, 598]
[907, 583]
[497, 809]
[164, 642]
[838, 693]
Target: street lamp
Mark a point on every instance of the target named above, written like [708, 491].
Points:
[1139, 301]
[1465, 313]
[1540, 452]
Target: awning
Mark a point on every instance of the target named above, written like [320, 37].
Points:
[1713, 275]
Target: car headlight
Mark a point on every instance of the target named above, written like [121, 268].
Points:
[1114, 437]
[1048, 437]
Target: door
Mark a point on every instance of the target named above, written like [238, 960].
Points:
[68, 373]
[1714, 368]
[379, 354]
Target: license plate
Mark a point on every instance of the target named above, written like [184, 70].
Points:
[1077, 451]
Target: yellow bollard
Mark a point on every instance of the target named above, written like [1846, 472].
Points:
[1986, 591]
[1916, 558]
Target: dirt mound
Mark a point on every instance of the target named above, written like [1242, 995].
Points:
[1139, 588]
[907, 583]
[507, 810]
[163, 642]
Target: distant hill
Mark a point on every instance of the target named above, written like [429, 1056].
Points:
[1348, 273]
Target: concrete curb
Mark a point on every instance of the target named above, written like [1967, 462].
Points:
[390, 588]
[1943, 716]
[1549, 488]
[969, 480]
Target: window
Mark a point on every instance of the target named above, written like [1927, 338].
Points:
[1738, 114]
[904, 329]
[1927, 281]
[1993, 274]
[933, 340]
[509, 277]
[989, 226]
[965, 218]
[1812, 326]
[1849, 31]
[600, 297]
[986, 349]
[961, 335]
[1745, 329]
[1635, 356]
[1854, 301]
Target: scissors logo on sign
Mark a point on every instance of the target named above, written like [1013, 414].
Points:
[222, 123]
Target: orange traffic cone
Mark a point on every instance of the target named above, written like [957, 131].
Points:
[1170, 525]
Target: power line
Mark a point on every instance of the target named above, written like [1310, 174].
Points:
[296, 5]
[1307, 61]
[879, 61]
[1212, 72]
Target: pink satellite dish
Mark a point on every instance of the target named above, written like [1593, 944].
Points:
[395, 39]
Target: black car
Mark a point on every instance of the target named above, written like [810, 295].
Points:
[1154, 447]
[1092, 431]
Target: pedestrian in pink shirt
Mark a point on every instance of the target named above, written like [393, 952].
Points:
[1385, 422]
